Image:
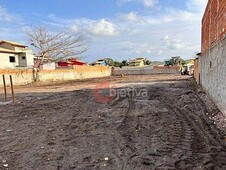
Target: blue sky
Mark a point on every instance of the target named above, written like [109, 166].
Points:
[119, 29]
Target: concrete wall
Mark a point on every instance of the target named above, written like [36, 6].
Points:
[21, 77]
[5, 63]
[147, 70]
[212, 63]
[30, 58]
[79, 72]
[213, 74]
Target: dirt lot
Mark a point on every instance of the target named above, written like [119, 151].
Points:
[168, 123]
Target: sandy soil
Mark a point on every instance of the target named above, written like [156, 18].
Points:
[174, 125]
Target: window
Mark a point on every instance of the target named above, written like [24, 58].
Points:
[23, 58]
[12, 59]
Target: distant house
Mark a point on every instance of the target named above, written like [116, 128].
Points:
[99, 63]
[71, 62]
[50, 65]
[14, 55]
[137, 62]
[191, 65]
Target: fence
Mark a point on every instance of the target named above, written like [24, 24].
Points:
[147, 70]
[26, 76]
[21, 77]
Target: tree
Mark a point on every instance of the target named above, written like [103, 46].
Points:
[175, 61]
[147, 62]
[109, 61]
[54, 45]
[117, 64]
[124, 63]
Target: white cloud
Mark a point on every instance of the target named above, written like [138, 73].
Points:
[149, 3]
[197, 5]
[160, 52]
[10, 26]
[5, 16]
[200, 3]
[138, 48]
[146, 3]
[74, 28]
[180, 15]
[10, 33]
[92, 28]
[102, 28]
[132, 16]
[158, 36]
[172, 43]
[99, 28]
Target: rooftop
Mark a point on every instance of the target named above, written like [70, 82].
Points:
[12, 43]
[4, 50]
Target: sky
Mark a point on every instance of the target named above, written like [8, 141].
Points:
[118, 29]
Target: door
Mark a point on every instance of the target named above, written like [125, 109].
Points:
[22, 60]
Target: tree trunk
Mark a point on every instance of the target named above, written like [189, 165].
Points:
[37, 76]
[37, 73]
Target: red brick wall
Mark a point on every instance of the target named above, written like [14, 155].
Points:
[196, 70]
[213, 24]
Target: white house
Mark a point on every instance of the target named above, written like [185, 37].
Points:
[15, 55]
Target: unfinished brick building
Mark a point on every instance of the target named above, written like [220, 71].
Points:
[212, 62]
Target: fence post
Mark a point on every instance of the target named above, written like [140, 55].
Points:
[4, 84]
[11, 83]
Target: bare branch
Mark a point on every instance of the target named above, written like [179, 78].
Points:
[51, 45]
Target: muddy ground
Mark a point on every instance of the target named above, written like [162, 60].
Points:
[168, 123]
